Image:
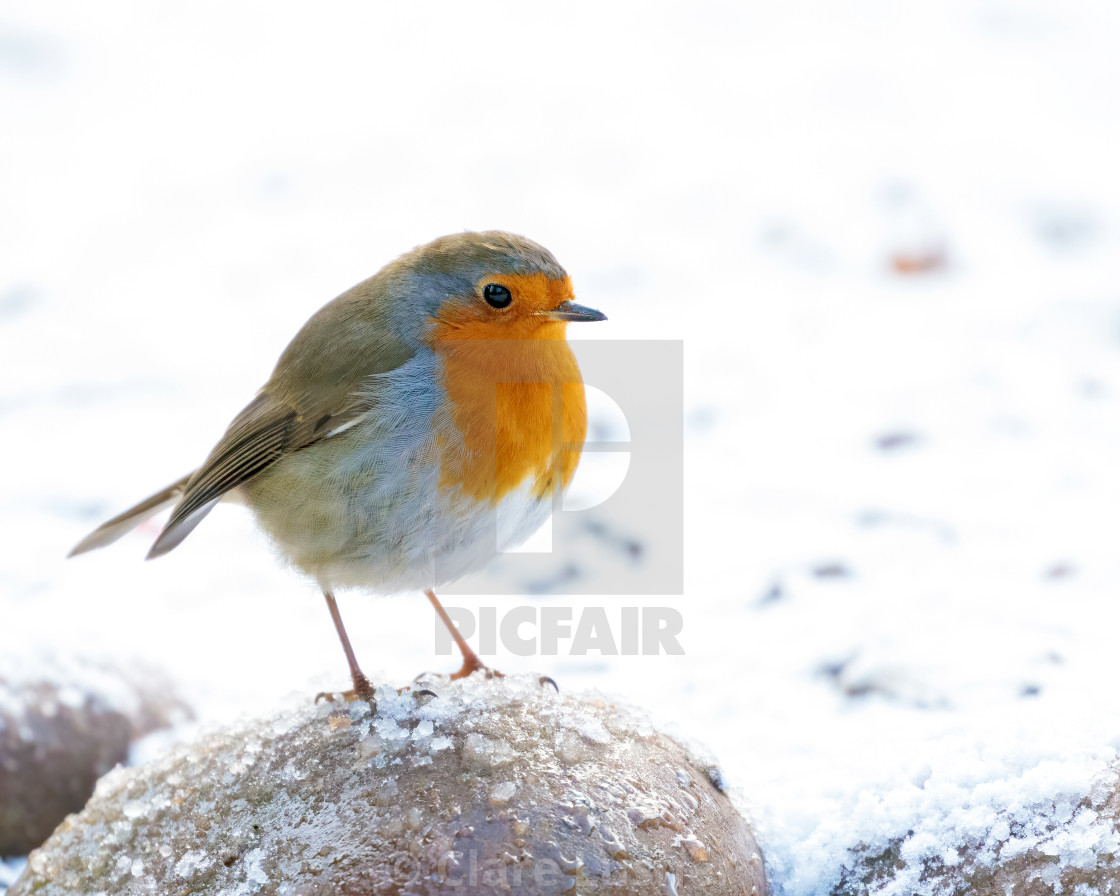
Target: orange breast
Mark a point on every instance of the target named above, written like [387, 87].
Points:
[515, 398]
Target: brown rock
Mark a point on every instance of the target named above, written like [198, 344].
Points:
[61, 728]
[1068, 846]
[492, 787]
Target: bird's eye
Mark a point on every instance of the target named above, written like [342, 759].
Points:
[497, 295]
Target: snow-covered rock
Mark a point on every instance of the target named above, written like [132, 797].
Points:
[1041, 844]
[491, 786]
[62, 726]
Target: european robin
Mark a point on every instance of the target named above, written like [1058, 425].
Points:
[417, 425]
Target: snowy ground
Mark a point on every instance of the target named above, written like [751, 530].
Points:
[902, 492]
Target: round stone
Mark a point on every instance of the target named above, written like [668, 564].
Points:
[492, 786]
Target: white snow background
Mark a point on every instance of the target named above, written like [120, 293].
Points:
[902, 492]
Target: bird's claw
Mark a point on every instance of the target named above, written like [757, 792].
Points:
[362, 690]
[469, 669]
[548, 679]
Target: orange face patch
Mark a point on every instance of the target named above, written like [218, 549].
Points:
[534, 295]
[515, 392]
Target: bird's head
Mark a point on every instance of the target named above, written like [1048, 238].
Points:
[491, 286]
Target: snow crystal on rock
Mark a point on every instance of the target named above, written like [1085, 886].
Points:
[134, 808]
[594, 731]
[190, 863]
[502, 793]
[484, 752]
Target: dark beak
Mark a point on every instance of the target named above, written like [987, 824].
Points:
[570, 311]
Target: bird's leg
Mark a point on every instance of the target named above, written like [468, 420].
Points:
[363, 690]
[471, 662]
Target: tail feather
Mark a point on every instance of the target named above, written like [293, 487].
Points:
[123, 523]
[178, 529]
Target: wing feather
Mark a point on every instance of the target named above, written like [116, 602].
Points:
[260, 435]
[321, 386]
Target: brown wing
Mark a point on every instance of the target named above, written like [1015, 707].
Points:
[261, 434]
[321, 382]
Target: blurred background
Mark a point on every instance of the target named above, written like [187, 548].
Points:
[888, 234]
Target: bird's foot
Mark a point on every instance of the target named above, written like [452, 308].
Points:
[472, 664]
[362, 690]
[468, 669]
